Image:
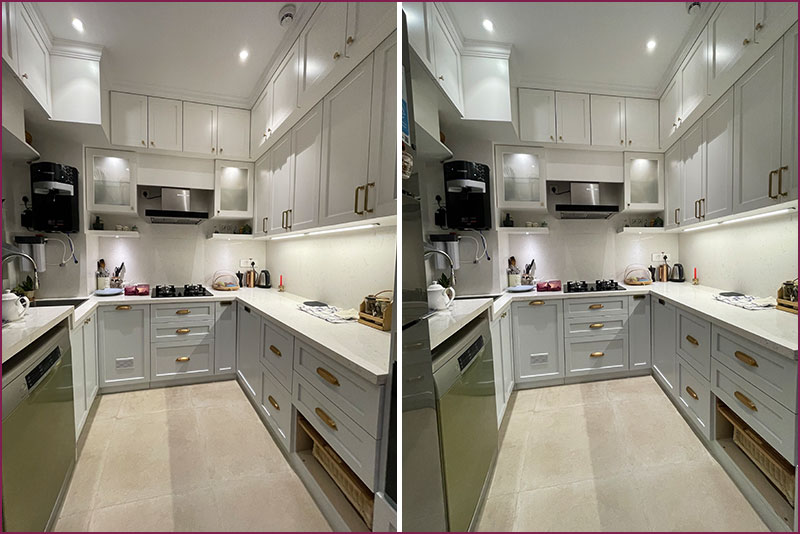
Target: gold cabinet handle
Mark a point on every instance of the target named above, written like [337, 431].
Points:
[759, 26]
[552, 138]
[183, 312]
[504, 315]
[350, 40]
[336, 55]
[25, 75]
[596, 325]
[742, 357]
[325, 418]
[275, 350]
[87, 321]
[182, 359]
[746, 41]
[691, 393]
[366, 197]
[441, 78]
[703, 208]
[622, 142]
[213, 149]
[143, 143]
[289, 219]
[273, 402]
[560, 137]
[152, 143]
[328, 376]
[780, 181]
[696, 214]
[741, 397]
[182, 331]
[774, 197]
[639, 297]
[676, 216]
[595, 306]
[693, 341]
[355, 202]
[124, 307]
[536, 303]
[597, 354]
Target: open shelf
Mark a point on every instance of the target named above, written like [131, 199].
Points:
[114, 233]
[231, 237]
[519, 230]
[15, 149]
[641, 230]
[430, 148]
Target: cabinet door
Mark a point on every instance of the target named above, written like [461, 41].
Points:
[644, 181]
[199, 128]
[261, 121]
[282, 157]
[537, 115]
[381, 189]
[641, 123]
[78, 379]
[670, 110]
[508, 355]
[768, 13]
[694, 75]
[34, 59]
[165, 123]
[90, 358]
[718, 158]
[608, 121]
[521, 179]
[730, 31]
[248, 350]
[447, 60]
[673, 174]
[233, 132]
[233, 190]
[538, 340]
[665, 357]
[418, 24]
[263, 188]
[284, 88]
[321, 47]
[757, 132]
[111, 184]
[572, 118]
[639, 346]
[787, 188]
[497, 354]
[225, 337]
[306, 147]
[345, 147]
[128, 119]
[366, 23]
[10, 35]
[123, 344]
[693, 169]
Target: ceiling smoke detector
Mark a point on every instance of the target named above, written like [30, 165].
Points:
[692, 7]
[286, 15]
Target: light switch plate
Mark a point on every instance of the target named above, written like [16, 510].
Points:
[659, 256]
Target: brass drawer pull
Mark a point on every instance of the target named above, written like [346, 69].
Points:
[536, 303]
[325, 418]
[693, 341]
[691, 393]
[183, 312]
[182, 331]
[596, 307]
[355, 202]
[639, 297]
[597, 354]
[325, 374]
[182, 359]
[741, 397]
[774, 197]
[273, 402]
[596, 325]
[275, 350]
[124, 307]
[780, 181]
[749, 360]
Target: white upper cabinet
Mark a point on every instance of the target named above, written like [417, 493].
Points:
[768, 13]
[321, 47]
[233, 190]
[111, 181]
[670, 110]
[693, 169]
[787, 175]
[263, 186]
[199, 128]
[233, 133]
[694, 75]
[521, 177]
[608, 121]
[644, 182]
[282, 166]
[365, 19]
[730, 31]
[284, 89]
[418, 17]
[718, 153]
[128, 120]
[165, 123]
[306, 146]
[447, 60]
[34, 59]
[381, 189]
[10, 35]
[537, 115]
[261, 121]
[641, 124]
[673, 175]
[572, 118]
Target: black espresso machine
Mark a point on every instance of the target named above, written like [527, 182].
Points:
[467, 196]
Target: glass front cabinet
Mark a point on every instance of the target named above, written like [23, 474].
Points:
[111, 184]
[520, 177]
[644, 182]
[233, 190]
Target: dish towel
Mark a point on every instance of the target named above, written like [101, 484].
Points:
[748, 302]
[332, 314]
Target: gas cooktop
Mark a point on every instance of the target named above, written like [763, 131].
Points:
[195, 290]
[582, 286]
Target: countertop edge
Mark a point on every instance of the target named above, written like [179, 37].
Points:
[39, 331]
[462, 321]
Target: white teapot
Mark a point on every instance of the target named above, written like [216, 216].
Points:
[14, 307]
[440, 298]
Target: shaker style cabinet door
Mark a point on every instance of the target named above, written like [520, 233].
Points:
[307, 147]
[537, 115]
[641, 124]
[418, 21]
[447, 60]
[670, 110]
[730, 31]
[225, 337]
[521, 177]
[639, 345]
[90, 358]
[282, 157]
[572, 118]
[538, 340]
[263, 189]
[248, 350]
[644, 181]
[233, 133]
[787, 177]
[693, 167]
[128, 119]
[694, 75]
[261, 121]
[673, 176]
[664, 331]
[34, 58]
[123, 344]
[608, 121]
[10, 35]
[718, 150]
[365, 19]
[321, 47]
[199, 128]
[284, 88]
[165, 123]
[381, 188]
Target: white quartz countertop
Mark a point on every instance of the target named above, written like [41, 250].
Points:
[445, 323]
[37, 321]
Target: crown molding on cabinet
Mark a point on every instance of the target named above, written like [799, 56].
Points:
[76, 49]
[583, 86]
[486, 49]
[161, 91]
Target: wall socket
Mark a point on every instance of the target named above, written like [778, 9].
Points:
[245, 263]
[659, 256]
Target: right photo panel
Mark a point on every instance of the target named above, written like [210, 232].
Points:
[599, 266]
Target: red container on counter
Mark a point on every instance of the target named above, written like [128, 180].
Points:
[548, 285]
[138, 290]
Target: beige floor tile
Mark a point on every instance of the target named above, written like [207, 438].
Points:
[508, 470]
[73, 523]
[498, 514]
[518, 428]
[98, 434]
[526, 400]
[571, 395]
[108, 406]
[638, 389]
[226, 393]
[138, 403]
[82, 490]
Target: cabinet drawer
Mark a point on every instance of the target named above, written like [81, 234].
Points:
[356, 447]
[166, 313]
[599, 354]
[598, 326]
[175, 360]
[594, 307]
[277, 353]
[276, 403]
[771, 420]
[694, 342]
[772, 373]
[359, 399]
[694, 393]
[189, 331]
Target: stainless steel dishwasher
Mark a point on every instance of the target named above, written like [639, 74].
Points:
[463, 373]
[38, 432]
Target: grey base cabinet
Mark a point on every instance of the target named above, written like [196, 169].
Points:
[249, 350]
[664, 331]
[639, 346]
[123, 344]
[83, 340]
[225, 338]
[538, 328]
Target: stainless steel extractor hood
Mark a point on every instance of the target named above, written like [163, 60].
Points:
[585, 203]
[175, 209]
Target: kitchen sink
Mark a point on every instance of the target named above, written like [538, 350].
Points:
[57, 302]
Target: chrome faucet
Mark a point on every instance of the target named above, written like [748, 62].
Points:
[430, 251]
[8, 256]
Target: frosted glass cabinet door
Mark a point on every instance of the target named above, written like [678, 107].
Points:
[644, 181]
[111, 184]
[233, 191]
[520, 177]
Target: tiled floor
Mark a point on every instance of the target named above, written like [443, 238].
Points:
[191, 458]
[608, 456]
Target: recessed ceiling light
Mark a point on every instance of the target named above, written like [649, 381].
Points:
[488, 25]
[77, 24]
[243, 55]
[651, 45]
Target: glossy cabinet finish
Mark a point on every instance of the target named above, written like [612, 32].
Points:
[573, 123]
[639, 340]
[233, 189]
[248, 350]
[199, 128]
[225, 337]
[128, 119]
[164, 123]
[694, 341]
[664, 331]
[123, 344]
[694, 396]
[537, 115]
[608, 121]
[538, 328]
[233, 133]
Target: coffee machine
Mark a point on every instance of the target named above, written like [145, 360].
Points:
[467, 195]
[54, 191]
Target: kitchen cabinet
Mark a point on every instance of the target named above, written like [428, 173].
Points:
[364, 20]
[693, 169]
[694, 342]
[83, 341]
[673, 175]
[306, 146]
[165, 123]
[508, 354]
[730, 31]
[641, 124]
[596, 355]
[90, 358]
[503, 362]
[447, 60]
[418, 23]
[277, 355]
[248, 350]
[284, 89]
[787, 175]
[572, 118]
[644, 182]
[322, 45]
[128, 119]
[767, 15]
[381, 188]
[669, 109]
[694, 397]
[345, 147]
[199, 128]
[639, 346]
[522, 183]
[225, 337]
[123, 344]
[664, 331]
[538, 340]
[608, 121]
[233, 190]
[233, 133]
[111, 184]
[182, 359]
[9, 35]
[34, 58]
[263, 196]
[537, 115]
[694, 75]
[261, 121]
[276, 405]
[717, 184]
[281, 174]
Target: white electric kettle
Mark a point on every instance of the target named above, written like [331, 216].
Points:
[14, 307]
[439, 298]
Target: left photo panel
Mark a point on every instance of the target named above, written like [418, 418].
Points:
[199, 266]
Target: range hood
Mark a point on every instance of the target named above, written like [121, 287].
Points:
[175, 209]
[585, 203]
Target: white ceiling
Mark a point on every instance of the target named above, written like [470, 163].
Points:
[177, 48]
[582, 45]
